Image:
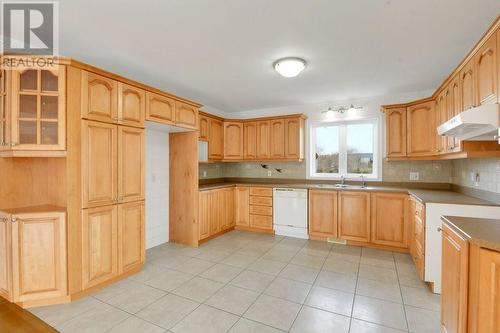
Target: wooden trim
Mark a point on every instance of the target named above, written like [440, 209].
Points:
[286, 116]
[222, 232]
[262, 231]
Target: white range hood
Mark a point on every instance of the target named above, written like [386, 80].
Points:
[479, 123]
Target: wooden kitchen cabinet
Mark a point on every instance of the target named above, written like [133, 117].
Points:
[159, 108]
[99, 245]
[354, 216]
[233, 140]
[395, 120]
[99, 98]
[467, 81]
[294, 138]
[454, 144]
[5, 256]
[455, 260]
[263, 139]
[242, 206]
[216, 139]
[250, 140]
[323, 214]
[216, 212]
[442, 107]
[204, 215]
[203, 126]
[130, 164]
[131, 105]
[186, 115]
[33, 117]
[485, 62]
[277, 138]
[417, 236]
[131, 237]
[389, 219]
[227, 209]
[421, 129]
[99, 164]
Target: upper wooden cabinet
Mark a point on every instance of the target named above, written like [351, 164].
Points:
[186, 115]
[160, 108]
[467, 77]
[455, 261]
[33, 112]
[263, 139]
[250, 140]
[395, 120]
[130, 164]
[203, 124]
[99, 98]
[215, 139]
[354, 216]
[131, 105]
[454, 144]
[277, 138]
[485, 62]
[233, 140]
[389, 219]
[294, 138]
[421, 128]
[323, 213]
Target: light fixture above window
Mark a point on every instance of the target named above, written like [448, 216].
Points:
[342, 109]
[289, 67]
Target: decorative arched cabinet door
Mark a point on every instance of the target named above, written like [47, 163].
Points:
[99, 98]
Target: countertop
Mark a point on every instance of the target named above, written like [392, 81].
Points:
[481, 232]
[424, 196]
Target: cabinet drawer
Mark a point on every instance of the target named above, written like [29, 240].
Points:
[261, 201]
[261, 210]
[263, 191]
[261, 222]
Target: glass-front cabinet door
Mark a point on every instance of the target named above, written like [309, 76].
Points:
[38, 109]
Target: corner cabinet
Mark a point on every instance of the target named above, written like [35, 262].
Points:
[233, 140]
[395, 120]
[421, 129]
[33, 112]
[33, 263]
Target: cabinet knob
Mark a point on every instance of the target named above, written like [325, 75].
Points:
[13, 220]
[439, 229]
[4, 219]
[13, 144]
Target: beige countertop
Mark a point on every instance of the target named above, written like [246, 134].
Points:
[422, 195]
[481, 232]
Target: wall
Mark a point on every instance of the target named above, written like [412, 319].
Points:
[157, 187]
[488, 169]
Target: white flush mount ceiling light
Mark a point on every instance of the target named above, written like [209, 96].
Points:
[289, 67]
[342, 109]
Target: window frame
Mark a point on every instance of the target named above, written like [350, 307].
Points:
[311, 164]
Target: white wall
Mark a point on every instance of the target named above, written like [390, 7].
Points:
[157, 184]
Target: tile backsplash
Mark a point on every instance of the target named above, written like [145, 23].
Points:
[463, 173]
[429, 171]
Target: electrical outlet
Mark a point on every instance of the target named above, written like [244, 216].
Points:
[269, 173]
[414, 176]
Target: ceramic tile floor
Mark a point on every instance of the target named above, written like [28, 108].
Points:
[248, 282]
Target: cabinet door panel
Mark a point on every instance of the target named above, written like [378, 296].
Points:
[454, 281]
[203, 126]
[204, 215]
[233, 141]
[455, 109]
[159, 108]
[468, 86]
[186, 115]
[242, 206]
[39, 256]
[294, 138]
[389, 219]
[250, 140]
[130, 235]
[396, 132]
[354, 216]
[215, 212]
[99, 98]
[421, 128]
[277, 138]
[99, 164]
[130, 164]
[131, 105]
[486, 68]
[323, 213]
[5, 252]
[489, 295]
[261, 222]
[216, 140]
[99, 245]
[263, 139]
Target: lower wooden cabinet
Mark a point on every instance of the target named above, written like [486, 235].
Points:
[33, 264]
[354, 216]
[216, 211]
[131, 237]
[242, 206]
[389, 213]
[455, 260]
[323, 213]
[416, 219]
[261, 209]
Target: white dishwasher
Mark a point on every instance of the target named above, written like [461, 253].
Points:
[290, 212]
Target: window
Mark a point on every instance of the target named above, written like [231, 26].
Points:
[349, 149]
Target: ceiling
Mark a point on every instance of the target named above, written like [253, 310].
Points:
[220, 52]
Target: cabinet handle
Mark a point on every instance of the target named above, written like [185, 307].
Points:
[13, 144]
[13, 220]
[4, 219]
